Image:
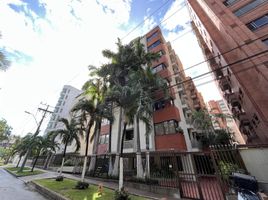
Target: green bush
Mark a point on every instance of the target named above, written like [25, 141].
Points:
[59, 178]
[227, 169]
[68, 163]
[81, 185]
[121, 195]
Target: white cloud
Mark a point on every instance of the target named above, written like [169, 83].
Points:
[62, 45]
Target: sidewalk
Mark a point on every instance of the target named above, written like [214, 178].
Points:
[111, 185]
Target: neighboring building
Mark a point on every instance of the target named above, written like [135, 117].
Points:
[171, 117]
[66, 101]
[214, 109]
[229, 31]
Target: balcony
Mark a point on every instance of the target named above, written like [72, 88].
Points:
[225, 83]
[165, 73]
[167, 113]
[233, 100]
[162, 59]
[193, 95]
[196, 144]
[128, 144]
[218, 74]
[159, 94]
[158, 48]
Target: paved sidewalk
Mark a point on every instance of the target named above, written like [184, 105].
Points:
[111, 185]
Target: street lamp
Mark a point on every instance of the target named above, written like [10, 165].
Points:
[32, 115]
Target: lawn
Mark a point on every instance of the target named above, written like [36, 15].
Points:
[26, 171]
[66, 188]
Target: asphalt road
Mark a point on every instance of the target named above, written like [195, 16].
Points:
[12, 188]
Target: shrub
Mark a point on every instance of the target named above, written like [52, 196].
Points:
[68, 163]
[121, 195]
[81, 185]
[59, 178]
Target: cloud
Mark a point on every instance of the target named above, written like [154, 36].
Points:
[58, 48]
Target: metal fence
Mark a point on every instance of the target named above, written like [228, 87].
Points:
[197, 175]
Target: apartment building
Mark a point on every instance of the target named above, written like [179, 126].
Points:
[171, 117]
[233, 36]
[67, 99]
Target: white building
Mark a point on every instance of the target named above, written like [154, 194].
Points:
[62, 109]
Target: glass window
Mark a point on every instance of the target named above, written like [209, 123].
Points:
[229, 2]
[248, 7]
[154, 45]
[265, 41]
[107, 139]
[152, 36]
[257, 23]
[159, 129]
[129, 135]
[159, 68]
[171, 127]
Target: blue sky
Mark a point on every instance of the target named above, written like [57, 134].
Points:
[51, 43]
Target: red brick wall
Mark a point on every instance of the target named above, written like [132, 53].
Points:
[172, 141]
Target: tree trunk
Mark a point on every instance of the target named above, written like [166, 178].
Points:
[138, 154]
[86, 150]
[25, 159]
[116, 162]
[47, 160]
[95, 148]
[18, 162]
[35, 161]
[121, 166]
[110, 171]
[63, 157]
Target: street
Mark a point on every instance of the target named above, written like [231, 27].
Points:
[13, 188]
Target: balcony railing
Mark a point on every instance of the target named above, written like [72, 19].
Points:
[225, 83]
[128, 144]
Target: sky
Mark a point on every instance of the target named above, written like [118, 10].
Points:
[52, 42]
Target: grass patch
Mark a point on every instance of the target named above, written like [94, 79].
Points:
[26, 171]
[67, 189]
[16, 168]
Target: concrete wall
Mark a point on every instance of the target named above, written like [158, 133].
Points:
[256, 162]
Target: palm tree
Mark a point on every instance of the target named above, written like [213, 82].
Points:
[96, 109]
[128, 59]
[4, 63]
[68, 135]
[43, 145]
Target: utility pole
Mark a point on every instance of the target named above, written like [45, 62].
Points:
[35, 134]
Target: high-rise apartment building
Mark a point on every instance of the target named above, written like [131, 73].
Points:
[233, 36]
[62, 109]
[172, 129]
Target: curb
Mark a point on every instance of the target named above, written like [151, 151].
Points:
[11, 173]
[46, 192]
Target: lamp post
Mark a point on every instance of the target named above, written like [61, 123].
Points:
[32, 115]
[35, 134]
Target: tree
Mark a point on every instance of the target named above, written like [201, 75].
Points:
[96, 109]
[42, 145]
[5, 130]
[68, 135]
[128, 59]
[4, 63]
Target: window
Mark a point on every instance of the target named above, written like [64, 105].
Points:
[166, 127]
[56, 110]
[159, 68]
[161, 52]
[152, 36]
[229, 2]
[179, 163]
[104, 139]
[248, 7]
[265, 41]
[154, 45]
[257, 23]
[129, 135]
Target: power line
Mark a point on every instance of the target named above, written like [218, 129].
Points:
[142, 22]
[221, 54]
[220, 68]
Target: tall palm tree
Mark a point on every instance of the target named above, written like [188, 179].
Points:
[96, 109]
[70, 133]
[128, 59]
